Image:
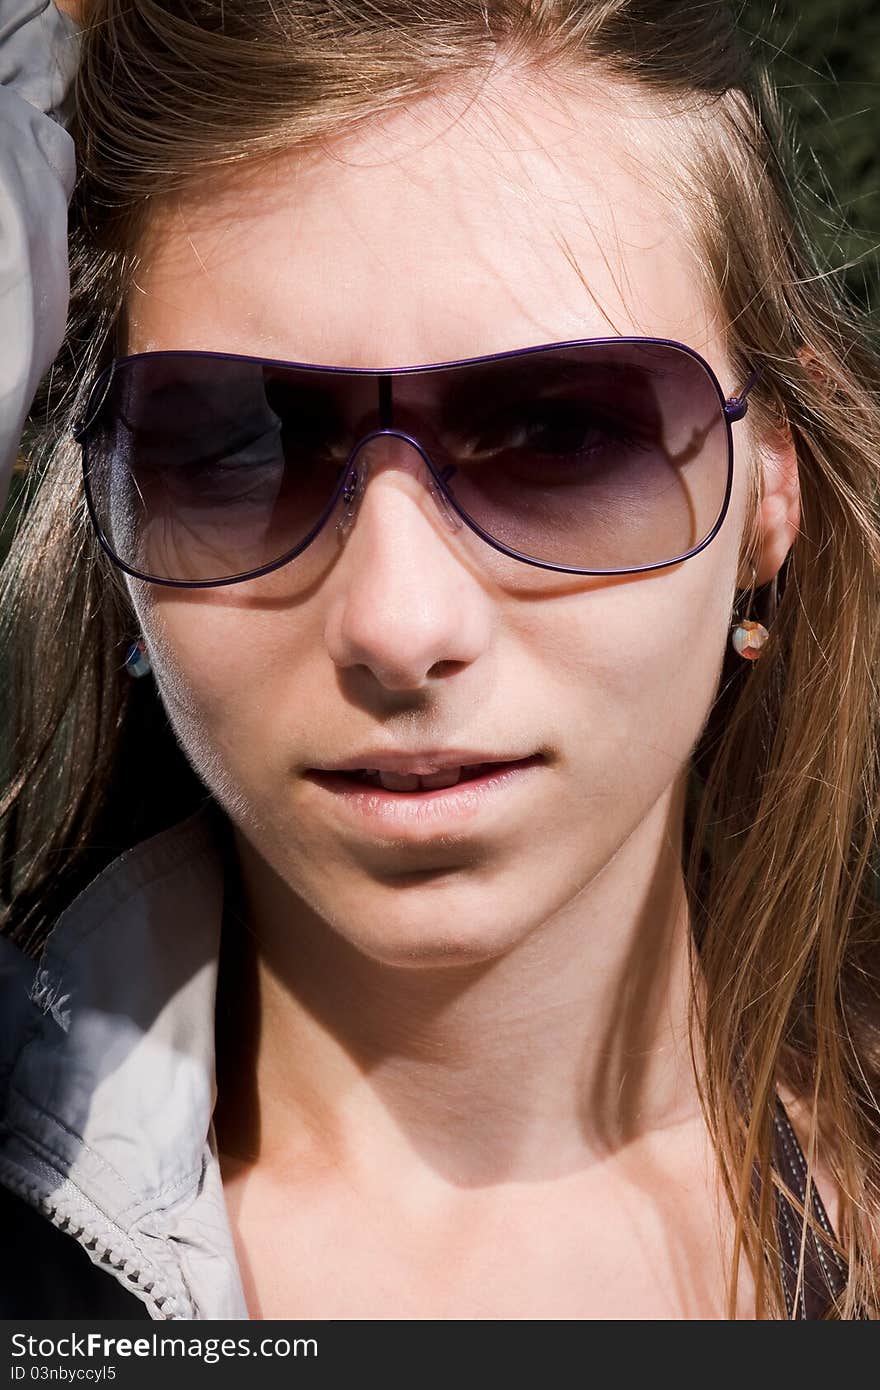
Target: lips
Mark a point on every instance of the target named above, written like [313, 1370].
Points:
[412, 782]
[490, 793]
[422, 787]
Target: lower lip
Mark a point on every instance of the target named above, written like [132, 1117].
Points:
[388, 810]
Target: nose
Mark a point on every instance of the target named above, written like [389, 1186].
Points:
[406, 605]
[390, 449]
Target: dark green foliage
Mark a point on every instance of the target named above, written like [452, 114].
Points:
[825, 58]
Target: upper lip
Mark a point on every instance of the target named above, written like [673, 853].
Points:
[422, 763]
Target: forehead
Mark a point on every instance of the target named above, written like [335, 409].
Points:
[461, 225]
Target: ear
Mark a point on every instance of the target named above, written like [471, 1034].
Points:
[779, 515]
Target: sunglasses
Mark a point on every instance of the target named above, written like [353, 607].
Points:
[601, 456]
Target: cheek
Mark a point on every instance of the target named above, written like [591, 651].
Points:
[231, 682]
[637, 676]
[637, 663]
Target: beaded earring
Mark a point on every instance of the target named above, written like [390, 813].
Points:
[137, 662]
[748, 637]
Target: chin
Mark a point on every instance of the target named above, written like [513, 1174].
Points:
[433, 936]
[430, 952]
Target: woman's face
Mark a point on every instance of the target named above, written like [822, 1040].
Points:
[439, 234]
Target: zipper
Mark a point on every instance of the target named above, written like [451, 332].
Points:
[108, 1247]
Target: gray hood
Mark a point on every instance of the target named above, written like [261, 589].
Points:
[107, 1081]
[39, 51]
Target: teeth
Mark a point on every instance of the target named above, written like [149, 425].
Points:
[445, 778]
[410, 781]
[399, 781]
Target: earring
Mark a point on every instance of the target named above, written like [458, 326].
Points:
[749, 637]
[137, 663]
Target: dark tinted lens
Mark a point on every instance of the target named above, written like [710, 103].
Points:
[600, 457]
[205, 468]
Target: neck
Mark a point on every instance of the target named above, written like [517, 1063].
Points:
[571, 1045]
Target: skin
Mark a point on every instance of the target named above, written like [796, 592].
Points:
[461, 1059]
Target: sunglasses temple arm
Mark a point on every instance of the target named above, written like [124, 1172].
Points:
[735, 408]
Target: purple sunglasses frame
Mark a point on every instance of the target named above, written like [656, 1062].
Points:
[733, 408]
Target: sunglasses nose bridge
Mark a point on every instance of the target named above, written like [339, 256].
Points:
[372, 454]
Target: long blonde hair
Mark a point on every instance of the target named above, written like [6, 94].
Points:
[782, 832]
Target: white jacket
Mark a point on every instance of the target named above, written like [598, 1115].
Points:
[107, 1082]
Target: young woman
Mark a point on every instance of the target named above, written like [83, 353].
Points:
[441, 803]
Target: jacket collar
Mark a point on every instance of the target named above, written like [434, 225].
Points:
[107, 1064]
